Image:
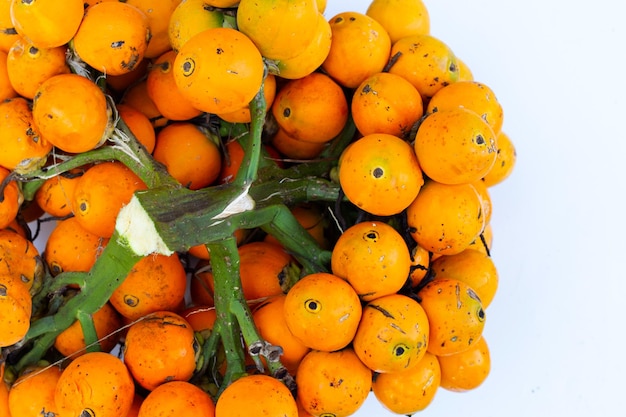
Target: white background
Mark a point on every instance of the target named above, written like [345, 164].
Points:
[556, 327]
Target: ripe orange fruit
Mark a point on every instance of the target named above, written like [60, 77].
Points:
[333, 383]
[6, 88]
[71, 247]
[465, 73]
[29, 66]
[475, 268]
[445, 219]
[392, 335]
[219, 70]
[420, 262]
[55, 195]
[118, 84]
[379, 173]
[359, 49]
[139, 125]
[373, 258]
[386, 103]
[44, 23]
[157, 282]
[323, 311]
[177, 398]
[295, 149]
[164, 93]
[426, 62]
[71, 112]
[11, 200]
[138, 98]
[266, 269]
[100, 194]
[300, 105]
[455, 146]
[160, 348]
[189, 153]
[400, 18]
[411, 390]
[112, 37]
[256, 395]
[23, 147]
[8, 34]
[158, 14]
[189, 18]
[15, 309]
[104, 377]
[243, 115]
[280, 29]
[466, 370]
[71, 341]
[312, 56]
[32, 394]
[20, 258]
[505, 161]
[270, 321]
[470, 95]
[455, 314]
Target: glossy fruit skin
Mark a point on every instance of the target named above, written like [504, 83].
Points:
[177, 398]
[473, 267]
[219, 70]
[11, 200]
[373, 258]
[300, 105]
[393, 334]
[24, 147]
[55, 195]
[379, 173]
[20, 258]
[71, 113]
[400, 18]
[101, 374]
[280, 29]
[158, 14]
[100, 194]
[466, 370]
[506, 157]
[139, 125]
[6, 88]
[386, 103]
[455, 146]
[16, 307]
[189, 18]
[360, 48]
[265, 269]
[311, 57]
[445, 219]
[45, 24]
[256, 395]
[157, 282]
[426, 62]
[107, 321]
[332, 383]
[112, 37]
[409, 391]
[70, 247]
[163, 91]
[160, 348]
[471, 95]
[189, 154]
[29, 66]
[32, 394]
[270, 321]
[323, 311]
[455, 314]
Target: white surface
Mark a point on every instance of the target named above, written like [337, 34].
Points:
[556, 327]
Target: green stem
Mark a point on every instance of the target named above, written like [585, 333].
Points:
[108, 272]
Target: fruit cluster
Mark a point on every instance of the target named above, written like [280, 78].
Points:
[258, 209]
